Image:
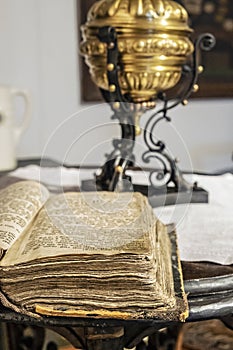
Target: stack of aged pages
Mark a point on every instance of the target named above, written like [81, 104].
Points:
[96, 254]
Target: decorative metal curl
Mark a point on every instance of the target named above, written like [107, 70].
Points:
[159, 178]
[157, 148]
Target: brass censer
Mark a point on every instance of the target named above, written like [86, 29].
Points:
[137, 50]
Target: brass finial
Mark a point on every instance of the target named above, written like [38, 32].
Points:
[110, 67]
[119, 169]
[112, 88]
[116, 105]
[200, 69]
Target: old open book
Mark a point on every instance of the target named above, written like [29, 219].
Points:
[84, 254]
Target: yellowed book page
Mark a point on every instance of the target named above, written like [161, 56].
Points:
[19, 204]
[87, 223]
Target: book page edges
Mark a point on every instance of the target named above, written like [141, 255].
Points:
[99, 313]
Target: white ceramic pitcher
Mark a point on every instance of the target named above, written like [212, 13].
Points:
[10, 132]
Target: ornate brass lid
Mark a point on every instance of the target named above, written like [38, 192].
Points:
[155, 14]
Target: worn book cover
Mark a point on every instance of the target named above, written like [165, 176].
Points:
[87, 254]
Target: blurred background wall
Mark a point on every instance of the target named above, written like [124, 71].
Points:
[39, 52]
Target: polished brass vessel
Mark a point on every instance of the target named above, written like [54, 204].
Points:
[153, 43]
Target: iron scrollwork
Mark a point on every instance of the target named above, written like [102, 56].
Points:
[157, 148]
[125, 112]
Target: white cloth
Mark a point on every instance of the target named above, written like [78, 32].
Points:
[205, 231]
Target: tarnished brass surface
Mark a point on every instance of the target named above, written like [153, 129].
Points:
[153, 41]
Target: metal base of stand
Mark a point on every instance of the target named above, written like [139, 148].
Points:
[163, 197]
[170, 196]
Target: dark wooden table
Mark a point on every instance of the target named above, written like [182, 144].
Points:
[210, 295]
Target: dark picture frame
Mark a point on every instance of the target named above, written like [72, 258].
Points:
[213, 16]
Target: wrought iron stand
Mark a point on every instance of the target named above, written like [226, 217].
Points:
[167, 184]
